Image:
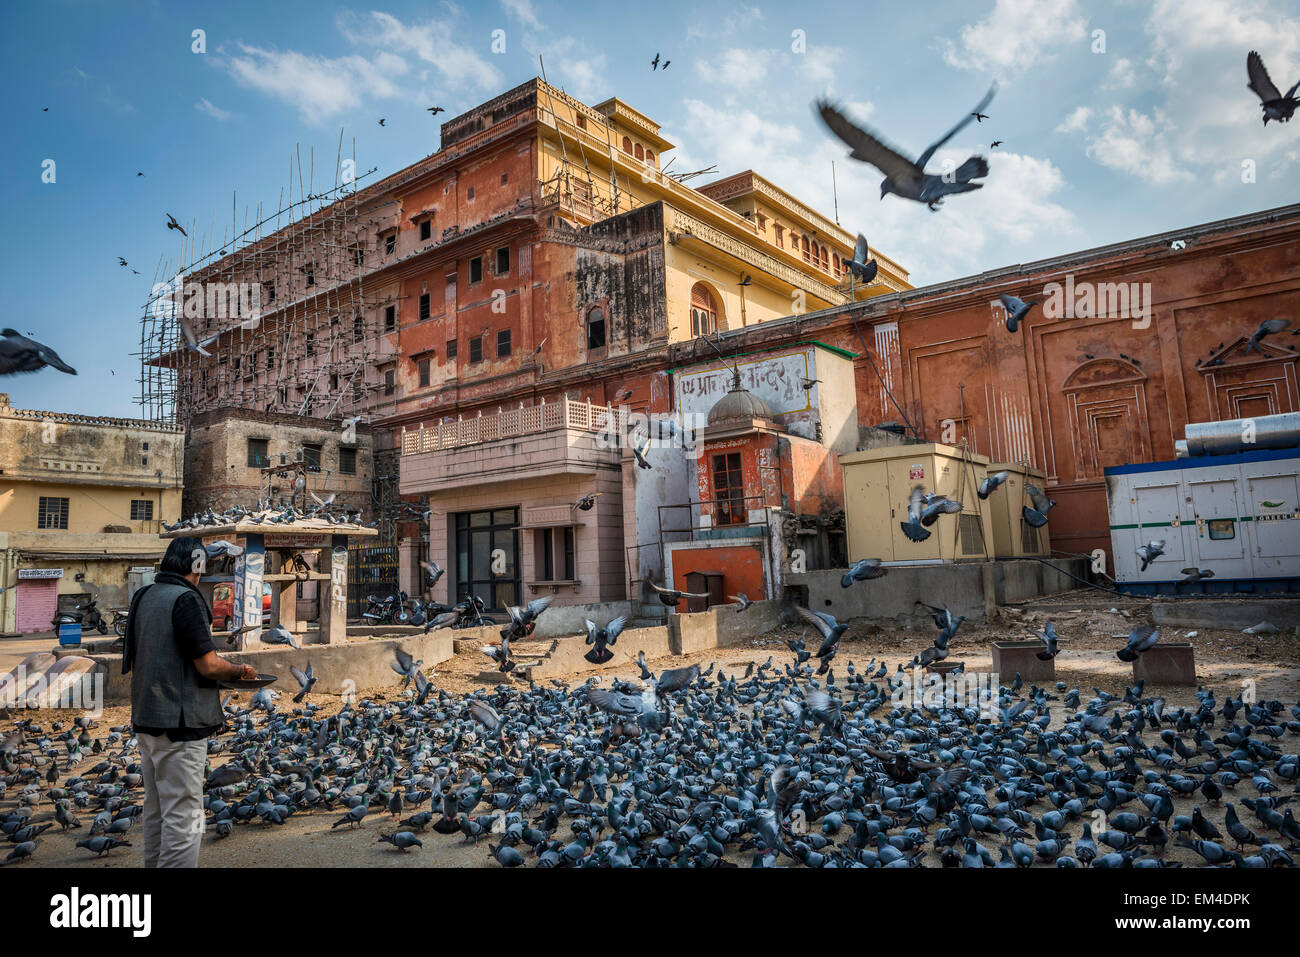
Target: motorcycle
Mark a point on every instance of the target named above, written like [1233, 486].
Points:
[469, 613]
[381, 609]
[86, 615]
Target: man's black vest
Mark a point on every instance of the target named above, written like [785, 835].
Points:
[166, 690]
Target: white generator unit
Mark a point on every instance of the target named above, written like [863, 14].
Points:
[1236, 515]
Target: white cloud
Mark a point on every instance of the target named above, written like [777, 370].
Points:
[522, 10]
[573, 66]
[458, 65]
[1016, 35]
[204, 105]
[319, 87]
[1077, 120]
[736, 68]
[1122, 74]
[1137, 143]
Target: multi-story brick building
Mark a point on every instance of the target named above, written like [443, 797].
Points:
[543, 254]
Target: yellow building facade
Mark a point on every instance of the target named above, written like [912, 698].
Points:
[82, 499]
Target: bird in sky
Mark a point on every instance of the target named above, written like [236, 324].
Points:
[381, 121]
[979, 117]
[904, 177]
[172, 224]
[654, 64]
[995, 144]
[1274, 104]
[19, 354]
[435, 110]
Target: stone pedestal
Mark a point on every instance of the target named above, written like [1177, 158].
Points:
[1166, 664]
[1010, 657]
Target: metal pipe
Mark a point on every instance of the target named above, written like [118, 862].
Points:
[1236, 435]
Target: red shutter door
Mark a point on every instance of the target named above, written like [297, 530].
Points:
[37, 600]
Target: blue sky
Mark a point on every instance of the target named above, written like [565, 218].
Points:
[1100, 145]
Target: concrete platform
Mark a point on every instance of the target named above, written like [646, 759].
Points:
[347, 667]
[1234, 614]
[972, 589]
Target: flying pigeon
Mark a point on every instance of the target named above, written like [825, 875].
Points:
[192, 341]
[1266, 328]
[587, 502]
[1150, 552]
[20, 354]
[863, 270]
[742, 600]
[670, 596]
[1140, 639]
[991, 484]
[1049, 638]
[861, 571]
[1274, 104]
[601, 638]
[912, 528]
[1016, 309]
[903, 177]
[172, 224]
[1037, 516]
[306, 681]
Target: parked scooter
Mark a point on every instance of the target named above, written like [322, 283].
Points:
[86, 615]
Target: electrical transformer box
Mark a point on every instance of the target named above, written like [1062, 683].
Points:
[1235, 515]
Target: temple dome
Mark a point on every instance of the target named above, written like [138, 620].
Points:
[738, 404]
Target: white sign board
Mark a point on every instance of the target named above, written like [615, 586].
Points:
[778, 379]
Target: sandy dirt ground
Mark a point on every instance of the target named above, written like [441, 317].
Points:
[1226, 661]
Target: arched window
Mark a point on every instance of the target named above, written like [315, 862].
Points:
[627, 144]
[639, 151]
[704, 312]
[595, 328]
[650, 158]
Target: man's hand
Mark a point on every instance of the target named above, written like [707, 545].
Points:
[246, 673]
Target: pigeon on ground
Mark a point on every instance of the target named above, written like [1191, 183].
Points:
[279, 635]
[20, 354]
[1273, 103]
[903, 177]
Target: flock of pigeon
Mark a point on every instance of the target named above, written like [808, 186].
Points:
[690, 768]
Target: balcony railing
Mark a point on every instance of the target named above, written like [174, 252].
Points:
[514, 423]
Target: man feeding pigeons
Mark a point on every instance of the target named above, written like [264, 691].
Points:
[175, 704]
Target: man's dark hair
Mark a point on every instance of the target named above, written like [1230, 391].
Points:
[179, 559]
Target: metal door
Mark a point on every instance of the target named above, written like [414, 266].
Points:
[1218, 525]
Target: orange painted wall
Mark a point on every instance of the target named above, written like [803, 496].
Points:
[741, 567]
